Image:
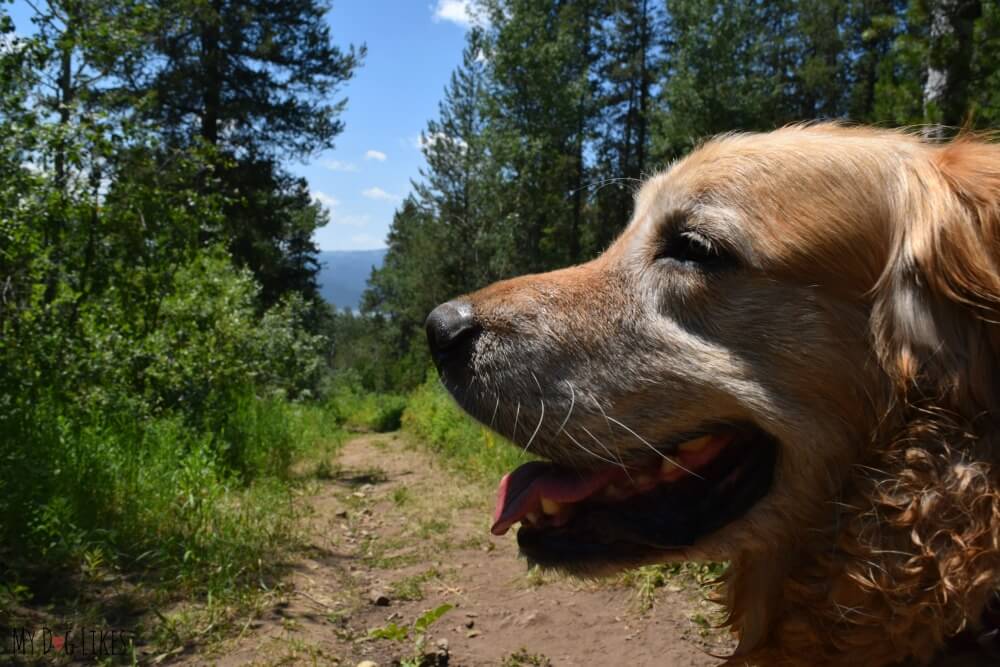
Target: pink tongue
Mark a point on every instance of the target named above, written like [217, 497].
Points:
[521, 491]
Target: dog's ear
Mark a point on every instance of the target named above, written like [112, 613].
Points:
[922, 551]
[936, 318]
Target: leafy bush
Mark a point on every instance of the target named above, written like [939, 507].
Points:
[160, 437]
[432, 415]
[153, 493]
[354, 407]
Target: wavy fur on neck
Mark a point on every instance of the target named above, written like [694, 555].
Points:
[912, 555]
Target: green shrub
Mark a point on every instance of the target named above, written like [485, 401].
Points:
[356, 408]
[434, 417]
[160, 437]
[154, 493]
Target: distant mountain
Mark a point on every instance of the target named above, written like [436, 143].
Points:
[344, 274]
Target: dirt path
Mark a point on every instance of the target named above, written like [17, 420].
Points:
[393, 534]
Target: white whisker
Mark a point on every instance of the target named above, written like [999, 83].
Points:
[496, 407]
[658, 452]
[619, 463]
[604, 414]
[572, 402]
[610, 430]
[540, 417]
[517, 415]
[589, 451]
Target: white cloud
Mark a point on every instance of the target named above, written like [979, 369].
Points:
[337, 165]
[456, 11]
[325, 199]
[367, 241]
[351, 220]
[334, 238]
[426, 141]
[375, 155]
[379, 193]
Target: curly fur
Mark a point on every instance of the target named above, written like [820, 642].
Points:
[914, 555]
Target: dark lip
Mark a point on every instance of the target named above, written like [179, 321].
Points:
[666, 519]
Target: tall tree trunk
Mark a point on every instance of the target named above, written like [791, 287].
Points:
[645, 83]
[576, 224]
[65, 98]
[54, 233]
[949, 60]
[211, 75]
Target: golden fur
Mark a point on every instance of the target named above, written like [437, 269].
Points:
[861, 330]
[914, 555]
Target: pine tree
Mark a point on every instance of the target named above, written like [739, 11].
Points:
[461, 182]
[541, 57]
[727, 67]
[256, 82]
[629, 65]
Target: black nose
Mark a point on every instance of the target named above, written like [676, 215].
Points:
[449, 325]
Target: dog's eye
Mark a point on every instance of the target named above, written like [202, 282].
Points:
[692, 248]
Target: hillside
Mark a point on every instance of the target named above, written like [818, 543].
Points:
[344, 274]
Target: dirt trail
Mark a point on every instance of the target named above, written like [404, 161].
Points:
[393, 534]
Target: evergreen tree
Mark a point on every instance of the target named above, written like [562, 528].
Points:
[631, 59]
[256, 82]
[448, 237]
[728, 67]
[461, 182]
[870, 31]
[542, 56]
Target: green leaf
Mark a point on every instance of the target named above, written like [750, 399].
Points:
[428, 617]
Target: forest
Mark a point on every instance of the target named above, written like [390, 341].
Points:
[559, 110]
[166, 362]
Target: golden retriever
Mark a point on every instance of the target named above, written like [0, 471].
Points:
[789, 361]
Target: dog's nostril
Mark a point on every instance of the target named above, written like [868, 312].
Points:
[448, 324]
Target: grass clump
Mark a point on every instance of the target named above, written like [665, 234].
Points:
[412, 588]
[523, 658]
[201, 510]
[648, 579]
[356, 408]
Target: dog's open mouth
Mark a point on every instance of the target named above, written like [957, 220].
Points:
[623, 514]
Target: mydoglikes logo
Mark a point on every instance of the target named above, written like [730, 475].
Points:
[76, 643]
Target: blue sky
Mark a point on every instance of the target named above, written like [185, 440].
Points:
[413, 46]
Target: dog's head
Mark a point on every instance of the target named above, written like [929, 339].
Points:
[792, 323]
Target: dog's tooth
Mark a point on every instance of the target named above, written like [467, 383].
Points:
[550, 507]
[614, 492]
[695, 445]
[670, 471]
[643, 480]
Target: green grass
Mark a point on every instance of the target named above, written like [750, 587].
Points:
[522, 658]
[436, 420]
[355, 408]
[184, 513]
[401, 496]
[649, 579]
[412, 588]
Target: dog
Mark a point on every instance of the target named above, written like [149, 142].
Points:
[788, 361]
